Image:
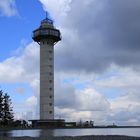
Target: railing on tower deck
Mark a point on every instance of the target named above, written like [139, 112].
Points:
[47, 32]
[47, 20]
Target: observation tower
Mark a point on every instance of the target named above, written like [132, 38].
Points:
[46, 36]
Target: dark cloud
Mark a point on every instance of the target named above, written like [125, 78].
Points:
[99, 34]
[64, 95]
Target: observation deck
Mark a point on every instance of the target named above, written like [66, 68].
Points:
[46, 31]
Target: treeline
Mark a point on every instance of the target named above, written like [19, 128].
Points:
[6, 110]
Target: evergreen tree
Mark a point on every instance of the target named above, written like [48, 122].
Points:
[7, 110]
[1, 106]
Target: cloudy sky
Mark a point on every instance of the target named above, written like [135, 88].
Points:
[97, 63]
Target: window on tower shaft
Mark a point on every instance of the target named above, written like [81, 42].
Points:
[50, 58]
[50, 88]
[50, 51]
[50, 112]
[50, 73]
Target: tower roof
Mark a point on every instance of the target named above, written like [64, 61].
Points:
[47, 22]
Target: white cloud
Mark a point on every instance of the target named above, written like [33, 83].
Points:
[23, 68]
[90, 100]
[126, 78]
[57, 8]
[8, 8]
[126, 101]
[31, 101]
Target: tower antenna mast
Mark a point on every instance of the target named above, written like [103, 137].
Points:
[48, 18]
[46, 15]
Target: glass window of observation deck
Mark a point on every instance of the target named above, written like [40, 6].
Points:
[43, 32]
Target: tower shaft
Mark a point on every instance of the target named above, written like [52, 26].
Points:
[46, 79]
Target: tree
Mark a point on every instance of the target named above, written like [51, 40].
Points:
[1, 106]
[7, 110]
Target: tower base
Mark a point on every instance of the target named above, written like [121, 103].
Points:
[56, 123]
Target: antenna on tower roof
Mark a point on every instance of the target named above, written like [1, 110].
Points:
[48, 18]
[47, 15]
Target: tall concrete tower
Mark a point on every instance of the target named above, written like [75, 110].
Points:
[46, 36]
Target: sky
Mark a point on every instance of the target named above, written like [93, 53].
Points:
[97, 67]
